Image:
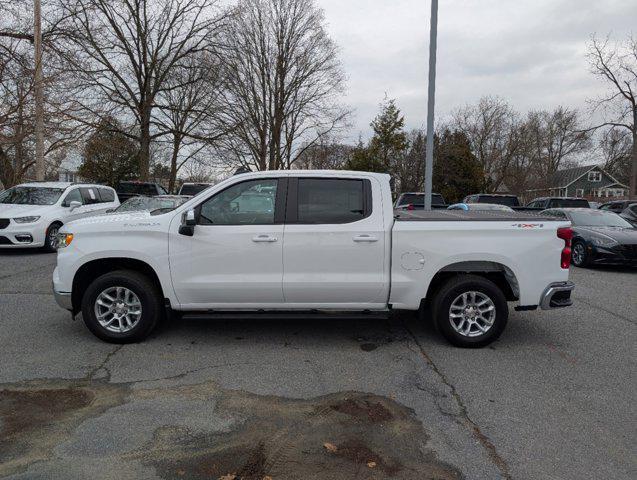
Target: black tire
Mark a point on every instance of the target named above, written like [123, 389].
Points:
[49, 246]
[451, 291]
[150, 297]
[583, 260]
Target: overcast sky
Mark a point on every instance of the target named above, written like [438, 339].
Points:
[530, 52]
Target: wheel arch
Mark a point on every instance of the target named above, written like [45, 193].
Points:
[497, 272]
[95, 268]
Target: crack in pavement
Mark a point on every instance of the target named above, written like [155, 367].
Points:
[463, 417]
[102, 365]
[601, 309]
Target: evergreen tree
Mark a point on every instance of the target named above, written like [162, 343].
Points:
[109, 155]
[456, 172]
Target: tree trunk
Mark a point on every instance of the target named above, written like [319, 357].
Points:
[173, 164]
[144, 142]
[633, 171]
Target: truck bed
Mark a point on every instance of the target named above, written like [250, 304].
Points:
[468, 216]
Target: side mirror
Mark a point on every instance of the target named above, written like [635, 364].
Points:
[188, 222]
[74, 204]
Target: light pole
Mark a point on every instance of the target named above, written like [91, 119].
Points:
[37, 90]
[429, 157]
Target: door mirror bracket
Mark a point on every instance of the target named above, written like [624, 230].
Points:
[74, 204]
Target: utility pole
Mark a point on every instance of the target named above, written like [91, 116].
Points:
[37, 89]
[429, 158]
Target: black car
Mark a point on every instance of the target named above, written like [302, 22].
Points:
[559, 202]
[129, 189]
[618, 206]
[630, 213]
[416, 201]
[599, 237]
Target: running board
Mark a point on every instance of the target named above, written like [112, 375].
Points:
[288, 314]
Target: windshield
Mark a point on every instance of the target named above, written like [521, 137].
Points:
[597, 218]
[139, 188]
[509, 201]
[192, 188]
[419, 199]
[149, 204]
[31, 195]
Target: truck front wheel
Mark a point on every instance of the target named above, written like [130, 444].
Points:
[470, 311]
[122, 306]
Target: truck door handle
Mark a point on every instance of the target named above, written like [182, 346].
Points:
[365, 238]
[264, 239]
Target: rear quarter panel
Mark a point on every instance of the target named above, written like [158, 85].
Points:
[422, 249]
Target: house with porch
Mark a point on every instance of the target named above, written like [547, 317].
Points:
[590, 181]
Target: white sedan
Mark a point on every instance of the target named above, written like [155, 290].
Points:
[32, 213]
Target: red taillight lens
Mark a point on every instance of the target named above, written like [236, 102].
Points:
[566, 234]
[410, 206]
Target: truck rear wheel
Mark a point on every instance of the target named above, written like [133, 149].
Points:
[470, 311]
[122, 306]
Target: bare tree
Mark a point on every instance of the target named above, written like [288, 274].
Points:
[493, 129]
[616, 65]
[616, 147]
[554, 138]
[283, 82]
[125, 51]
[186, 111]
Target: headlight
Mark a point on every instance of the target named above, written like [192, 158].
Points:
[64, 240]
[26, 219]
[604, 242]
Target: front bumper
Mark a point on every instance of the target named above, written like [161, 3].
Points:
[617, 255]
[63, 299]
[21, 235]
[557, 295]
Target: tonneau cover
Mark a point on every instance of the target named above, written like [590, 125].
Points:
[470, 216]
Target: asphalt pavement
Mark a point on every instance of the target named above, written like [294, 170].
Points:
[554, 398]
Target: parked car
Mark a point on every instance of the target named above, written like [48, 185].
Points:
[32, 213]
[599, 237]
[630, 214]
[493, 198]
[128, 189]
[479, 206]
[316, 242]
[155, 205]
[559, 202]
[416, 201]
[193, 189]
[618, 206]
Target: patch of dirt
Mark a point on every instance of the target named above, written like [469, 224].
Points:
[371, 437]
[363, 409]
[285, 439]
[36, 416]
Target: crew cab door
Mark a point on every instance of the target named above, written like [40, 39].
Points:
[334, 245]
[234, 259]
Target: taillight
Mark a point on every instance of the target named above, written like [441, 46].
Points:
[566, 234]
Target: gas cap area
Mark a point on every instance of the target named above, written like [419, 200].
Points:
[412, 261]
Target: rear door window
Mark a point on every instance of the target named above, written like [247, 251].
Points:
[90, 195]
[332, 200]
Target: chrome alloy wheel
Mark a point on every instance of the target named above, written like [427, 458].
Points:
[579, 253]
[118, 309]
[53, 236]
[472, 314]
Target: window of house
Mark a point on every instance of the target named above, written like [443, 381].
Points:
[594, 176]
[579, 192]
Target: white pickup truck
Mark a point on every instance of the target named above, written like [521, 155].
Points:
[317, 242]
